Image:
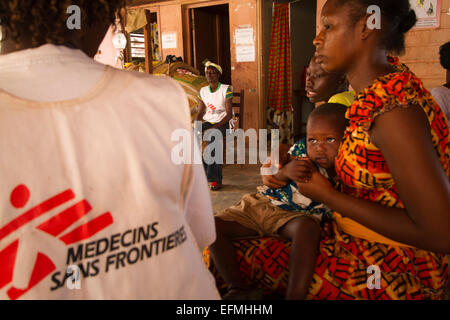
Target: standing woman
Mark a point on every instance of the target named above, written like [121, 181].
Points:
[394, 211]
[215, 109]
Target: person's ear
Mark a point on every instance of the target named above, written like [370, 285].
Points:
[367, 26]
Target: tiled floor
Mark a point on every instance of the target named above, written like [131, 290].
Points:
[239, 180]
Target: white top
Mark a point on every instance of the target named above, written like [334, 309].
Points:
[442, 96]
[87, 180]
[215, 102]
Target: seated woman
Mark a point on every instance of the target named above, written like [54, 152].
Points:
[215, 109]
[393, 213]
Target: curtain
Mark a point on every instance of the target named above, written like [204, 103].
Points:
[280, 112]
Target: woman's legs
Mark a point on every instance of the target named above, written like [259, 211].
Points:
[214, 170]
[305, 235]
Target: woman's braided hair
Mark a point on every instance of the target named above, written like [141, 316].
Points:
[45, 20]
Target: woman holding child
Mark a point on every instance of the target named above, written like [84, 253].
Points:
[393, 209]
[395, 204]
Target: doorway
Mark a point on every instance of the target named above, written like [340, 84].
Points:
[210, 38]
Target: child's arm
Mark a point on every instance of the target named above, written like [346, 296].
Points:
[270, 180]
[290, 168]
[283, 158]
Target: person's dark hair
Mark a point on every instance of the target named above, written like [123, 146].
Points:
[344, 85]
[335, 110]
[45, 20]
[444, 52]
[397, 19]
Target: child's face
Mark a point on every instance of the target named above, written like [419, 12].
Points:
[323, 138]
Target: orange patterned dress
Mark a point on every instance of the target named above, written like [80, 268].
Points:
[341, 270]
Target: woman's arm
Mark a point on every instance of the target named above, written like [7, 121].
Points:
[403, 137]
[201, 110]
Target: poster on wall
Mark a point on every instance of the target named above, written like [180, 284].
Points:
[245, 44]
[169, 40]
[245, 53]
[244, 35]
[428, 13]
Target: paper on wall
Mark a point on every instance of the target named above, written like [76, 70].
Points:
[245, 53]
[169, 40]
[243, 36]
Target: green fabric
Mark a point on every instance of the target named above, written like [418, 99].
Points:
[229, 93]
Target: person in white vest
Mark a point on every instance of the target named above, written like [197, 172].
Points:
[91, 204]
[215, 110]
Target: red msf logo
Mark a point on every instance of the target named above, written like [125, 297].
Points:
[211, 108]
[54, 226]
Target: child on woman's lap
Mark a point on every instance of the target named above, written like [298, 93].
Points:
[284, 211]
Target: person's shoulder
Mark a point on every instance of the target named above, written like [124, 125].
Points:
[204, 89]
[299, 148]
[401, 87]
[142, 83]
[440, 91]
[300, 142]
[143, 90]
[225, 87]
[140, 78]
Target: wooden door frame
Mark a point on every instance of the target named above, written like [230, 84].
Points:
[261, 86]
[187, 34]
[155, 9]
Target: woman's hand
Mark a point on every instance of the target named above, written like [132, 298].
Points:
[317, 187]
[298, 169]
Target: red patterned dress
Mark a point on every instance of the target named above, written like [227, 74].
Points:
[341, 270]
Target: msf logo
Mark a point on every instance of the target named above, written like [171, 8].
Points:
[25, 261]
[211, 108]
